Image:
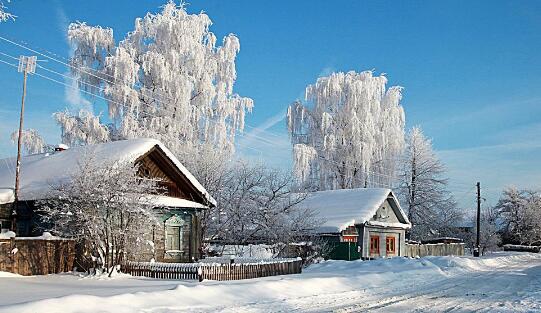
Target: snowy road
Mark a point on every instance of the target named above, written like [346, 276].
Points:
[498, 283]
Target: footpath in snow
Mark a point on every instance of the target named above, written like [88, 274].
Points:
[501, 282]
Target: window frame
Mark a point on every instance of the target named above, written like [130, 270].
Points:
[390, 242]
[374, 244]
[173, 225]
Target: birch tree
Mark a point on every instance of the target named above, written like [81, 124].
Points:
[167, 79]
[106, 207]
[423, 189]
[520, 212]
[31, 141]
[349, 133]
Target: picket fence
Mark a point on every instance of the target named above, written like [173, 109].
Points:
[214, 270]
[434, 249]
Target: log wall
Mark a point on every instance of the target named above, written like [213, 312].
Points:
[26, 256]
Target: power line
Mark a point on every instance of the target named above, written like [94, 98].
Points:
[108, 81]
[98, 96]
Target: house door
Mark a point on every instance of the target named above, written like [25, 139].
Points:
[374, 245]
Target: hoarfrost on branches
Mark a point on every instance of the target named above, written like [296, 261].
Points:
[166, 80]
[4, 15]
[31, 140]
[258, 204]
[423, 190]
[105, 206]
[520, 216]
[351, 135]
[81, 129]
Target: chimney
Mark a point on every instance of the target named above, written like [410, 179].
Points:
[61, 147]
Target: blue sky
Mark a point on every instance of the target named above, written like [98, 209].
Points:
[471, 71]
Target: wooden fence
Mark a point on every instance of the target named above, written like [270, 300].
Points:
[522, 248]
[435, 249]
[213, 270]
[30, 256]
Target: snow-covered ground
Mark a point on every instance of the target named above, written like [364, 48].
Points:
[502, 282]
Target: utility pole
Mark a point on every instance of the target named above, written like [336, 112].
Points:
[477, 250]
[27, 65]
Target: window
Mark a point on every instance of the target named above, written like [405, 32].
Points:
[172, 241]
[390, 245]
[374, 244]
[173, 233]
[5, 225]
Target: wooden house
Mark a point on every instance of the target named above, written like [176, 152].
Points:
[178, 239]
[363, 223]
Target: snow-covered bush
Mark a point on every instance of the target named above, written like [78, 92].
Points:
[105, 207]
[258, 204]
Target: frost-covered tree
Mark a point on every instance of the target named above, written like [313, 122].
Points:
[167, 79]
[106, 207]
[349, 133]
[31, 140]
[490, 237]
[81, 129]
[258, 204]
[423, 189]
[520, 212]
[4, 15]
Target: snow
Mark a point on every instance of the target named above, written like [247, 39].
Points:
[346, 207]
[40, 171]
[174, 202]
[386, 224]
[44, 236]
[501, 282]
[8, 274]
[7, 235]
[6, 195]
[261, 251]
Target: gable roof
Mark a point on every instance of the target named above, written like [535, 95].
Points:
[39, 171]
[341, 208]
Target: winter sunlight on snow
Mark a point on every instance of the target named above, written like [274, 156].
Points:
[257, 156]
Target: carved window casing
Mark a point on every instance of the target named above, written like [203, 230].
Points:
[173, 234]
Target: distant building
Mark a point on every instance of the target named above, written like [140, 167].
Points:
[363, 223]
[179, 237]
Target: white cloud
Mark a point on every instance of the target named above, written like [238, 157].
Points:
[73, 97]
[495, 166]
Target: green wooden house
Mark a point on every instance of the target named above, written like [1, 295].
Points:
[365, 223]
[178, 239]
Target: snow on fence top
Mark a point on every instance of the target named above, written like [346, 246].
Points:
[242, 260]
[346, 207]
[40, 171]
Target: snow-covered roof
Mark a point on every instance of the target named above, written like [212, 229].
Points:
[174, 202]
[341, 208]
[40, 171]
